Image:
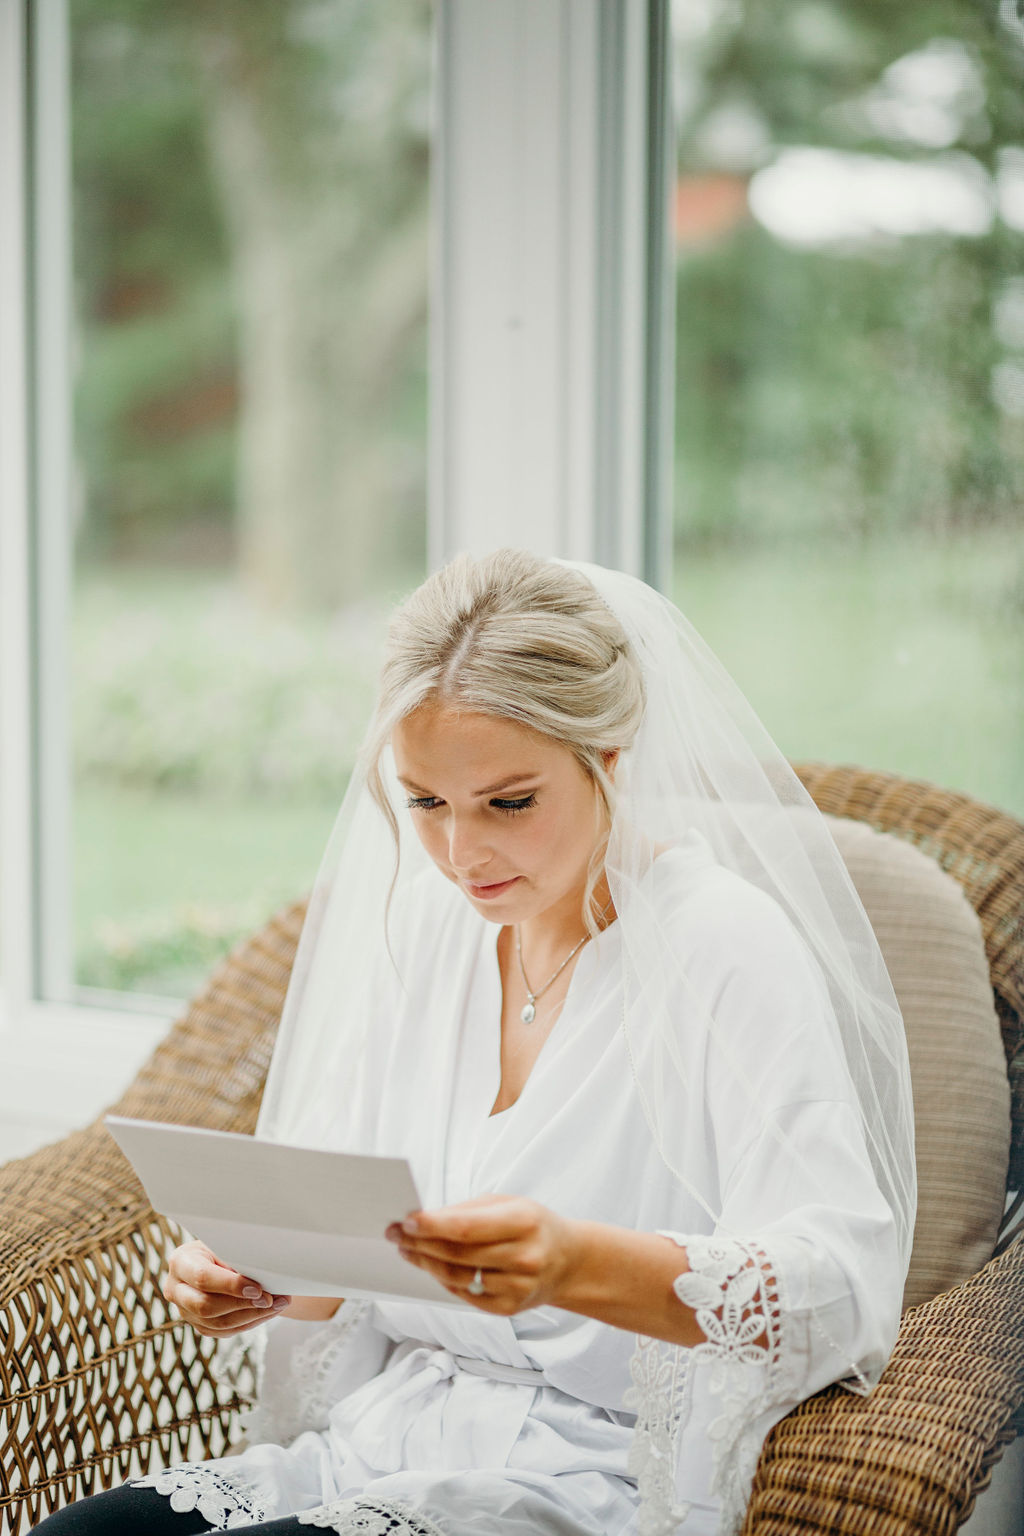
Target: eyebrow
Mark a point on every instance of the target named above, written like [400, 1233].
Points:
[522, 779]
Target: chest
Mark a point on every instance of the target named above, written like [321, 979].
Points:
[559, 1120]
[525, 1019]
[480, 1102]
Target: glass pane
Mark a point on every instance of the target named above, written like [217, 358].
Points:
[850, 375]
[250, 196]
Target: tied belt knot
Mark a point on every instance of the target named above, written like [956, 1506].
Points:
[515, 1375]
[395, 1419]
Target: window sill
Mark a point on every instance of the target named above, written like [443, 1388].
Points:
[60, 1066]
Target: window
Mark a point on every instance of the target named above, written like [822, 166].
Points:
[226, 231]
[248, 248]
[850, 376]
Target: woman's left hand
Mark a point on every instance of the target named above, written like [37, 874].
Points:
[524, 1252]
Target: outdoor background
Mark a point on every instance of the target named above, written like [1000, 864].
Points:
[251, 184]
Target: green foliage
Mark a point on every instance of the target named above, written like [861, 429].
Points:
[797, 66]
[165, 882]
[905, 654]
[199, 131]
[168, 956]
[155, 310]
[212, 746]
[212, 749]
[832, 394]
[181, 685]
[849, 390]
[848, 492]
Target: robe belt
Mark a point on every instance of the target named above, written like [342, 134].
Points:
[514, 1374]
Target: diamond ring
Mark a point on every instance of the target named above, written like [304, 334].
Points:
[476, 1285]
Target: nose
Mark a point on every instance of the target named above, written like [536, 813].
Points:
[468, 850]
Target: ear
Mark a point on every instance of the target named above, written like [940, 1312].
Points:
[610, 759]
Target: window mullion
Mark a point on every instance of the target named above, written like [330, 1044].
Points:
[549, 200]
[17, 873]
[52, 485]
[633, 405]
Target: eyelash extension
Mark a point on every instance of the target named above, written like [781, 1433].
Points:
[513, 807]
[507, 807]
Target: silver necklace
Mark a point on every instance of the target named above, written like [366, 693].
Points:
[529, 1009]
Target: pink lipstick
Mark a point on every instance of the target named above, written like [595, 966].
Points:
[489, 892]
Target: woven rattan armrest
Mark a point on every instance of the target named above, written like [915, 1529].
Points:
[910, 1459]
[96, 1377]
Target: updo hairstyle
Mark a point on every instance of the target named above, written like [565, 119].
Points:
[524, 639]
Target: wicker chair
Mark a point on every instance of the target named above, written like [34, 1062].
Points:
[99, 1383]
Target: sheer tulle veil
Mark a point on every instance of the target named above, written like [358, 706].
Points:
[702, 770]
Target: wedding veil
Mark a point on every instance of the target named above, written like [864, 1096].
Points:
[701, 767]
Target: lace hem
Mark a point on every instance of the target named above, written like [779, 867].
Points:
[369, 1517]
[733, 1289]
[223, 1502]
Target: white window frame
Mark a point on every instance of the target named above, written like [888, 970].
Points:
[551, 408]
[552, 366]
[54, 1072]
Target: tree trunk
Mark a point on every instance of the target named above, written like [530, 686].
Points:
[325, 318]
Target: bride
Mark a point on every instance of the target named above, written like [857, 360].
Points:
[583, 951]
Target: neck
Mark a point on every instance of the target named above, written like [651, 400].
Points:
[553, 933]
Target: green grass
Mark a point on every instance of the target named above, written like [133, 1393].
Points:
[212, 744]
[906, 656]
[165, 884]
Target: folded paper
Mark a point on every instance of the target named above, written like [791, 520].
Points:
[302, 1222]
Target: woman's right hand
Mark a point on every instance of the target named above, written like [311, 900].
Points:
[214, 1298]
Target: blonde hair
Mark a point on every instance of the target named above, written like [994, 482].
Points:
[523, 639]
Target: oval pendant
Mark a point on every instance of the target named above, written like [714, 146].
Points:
[528, 1014]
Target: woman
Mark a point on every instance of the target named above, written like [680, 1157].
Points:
[641, 1051]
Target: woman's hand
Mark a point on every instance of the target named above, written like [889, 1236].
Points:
[529, 1257]
[525, 1253]
[215, 1299]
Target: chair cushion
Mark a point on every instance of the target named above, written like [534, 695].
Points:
[932, 942]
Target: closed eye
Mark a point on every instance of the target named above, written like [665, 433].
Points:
[513, 807]
[507, 807]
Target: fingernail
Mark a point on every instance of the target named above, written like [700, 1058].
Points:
[410, 1224]
[393, 1233]
[281, 1302]
[262, 1301]
[252, 1292]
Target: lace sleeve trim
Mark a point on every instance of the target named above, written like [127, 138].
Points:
[733, 1289]
[734, 1292]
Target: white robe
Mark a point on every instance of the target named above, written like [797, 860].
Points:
[406, 1417]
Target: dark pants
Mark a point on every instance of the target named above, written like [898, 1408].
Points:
[132, 1511]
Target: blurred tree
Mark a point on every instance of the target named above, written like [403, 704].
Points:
[155, 321]
[317, 125]
[266, 163]
[845, 389]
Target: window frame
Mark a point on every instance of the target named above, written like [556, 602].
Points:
[552, 366]
[48, 1062]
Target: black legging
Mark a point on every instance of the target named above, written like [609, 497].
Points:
[132, 1511]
